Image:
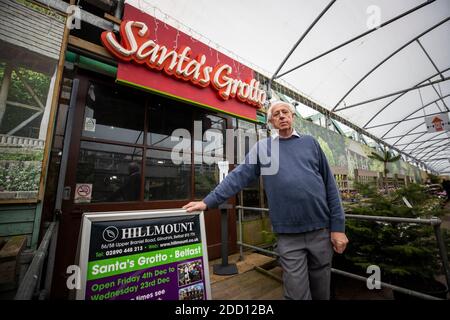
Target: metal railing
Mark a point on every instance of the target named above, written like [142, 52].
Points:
[30, 286]
[434, 222]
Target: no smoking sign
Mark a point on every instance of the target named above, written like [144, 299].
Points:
[83, 193]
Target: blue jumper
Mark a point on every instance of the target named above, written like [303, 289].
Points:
[302, 195]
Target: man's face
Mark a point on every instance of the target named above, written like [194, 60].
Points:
[281, 117]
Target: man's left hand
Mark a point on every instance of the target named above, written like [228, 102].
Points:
[339, 241]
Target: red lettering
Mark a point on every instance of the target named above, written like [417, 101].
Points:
[136, 46]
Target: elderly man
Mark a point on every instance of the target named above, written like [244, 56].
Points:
[304, 205]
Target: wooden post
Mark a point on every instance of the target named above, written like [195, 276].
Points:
[4, 90]
[48, 106]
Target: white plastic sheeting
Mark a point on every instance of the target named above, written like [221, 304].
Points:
[363, 81]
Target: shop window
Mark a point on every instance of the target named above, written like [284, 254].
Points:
[164, 178]
[25, 101]
[30, 45]
[166, 116]
[112, 173]
[206, 179]
[112, 113]
[250, 194]
[246, 140]
[209, 150]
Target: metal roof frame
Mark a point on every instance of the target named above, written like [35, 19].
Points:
[399, 93]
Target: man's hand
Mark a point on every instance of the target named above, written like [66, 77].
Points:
[195, 206]
[339, 241]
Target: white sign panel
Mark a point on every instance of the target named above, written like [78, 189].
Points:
[89, 124]
[436, 123]
[223, 169]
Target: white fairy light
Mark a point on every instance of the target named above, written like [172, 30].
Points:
[156, 25]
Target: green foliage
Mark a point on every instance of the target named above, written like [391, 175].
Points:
[386, 157]
[327, 151]
[18, 92]
[20, 176]
[367, 190]
[269, 237]
[401, 250]
[22, 156]
[37, 81]
[434, 178]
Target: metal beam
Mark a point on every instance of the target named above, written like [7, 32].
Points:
[436, 68]
[410, 134]
[436, 159]
[398, 97]
[417, 149]
[440, 166]
[294, 94]
[437, 163]
[406, 144]
[357, 37]
[24, 123]
[407, 133]
[424, 152]
[433, 150]
[420, 117]
[392, 94]
[442, 99]
[429, 58]
[383, 61]
[398, 122]
[300, 40]
[405, 118]
[422, 142]
[23, 105]
[416, 138]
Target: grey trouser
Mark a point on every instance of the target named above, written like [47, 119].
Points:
[306, 262]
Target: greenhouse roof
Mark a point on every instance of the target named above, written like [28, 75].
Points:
[382, 65]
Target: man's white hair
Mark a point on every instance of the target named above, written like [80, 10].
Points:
[276, 104]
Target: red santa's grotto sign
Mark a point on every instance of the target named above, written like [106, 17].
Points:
[157, 57]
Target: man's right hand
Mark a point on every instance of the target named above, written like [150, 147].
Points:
[195, 206]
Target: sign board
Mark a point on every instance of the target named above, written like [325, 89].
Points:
[223, 169]
[83, 193]
[436, 123]
[89, 124]
[143, 255]
[155, 56]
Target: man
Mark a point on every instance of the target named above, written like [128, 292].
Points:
[304, 205]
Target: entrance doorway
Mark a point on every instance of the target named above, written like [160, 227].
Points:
[121, 159]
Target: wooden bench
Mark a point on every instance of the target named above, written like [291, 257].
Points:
[9, 258]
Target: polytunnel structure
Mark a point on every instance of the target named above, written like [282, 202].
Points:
[381, 65]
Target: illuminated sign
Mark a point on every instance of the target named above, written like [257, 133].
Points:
[144, 47]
